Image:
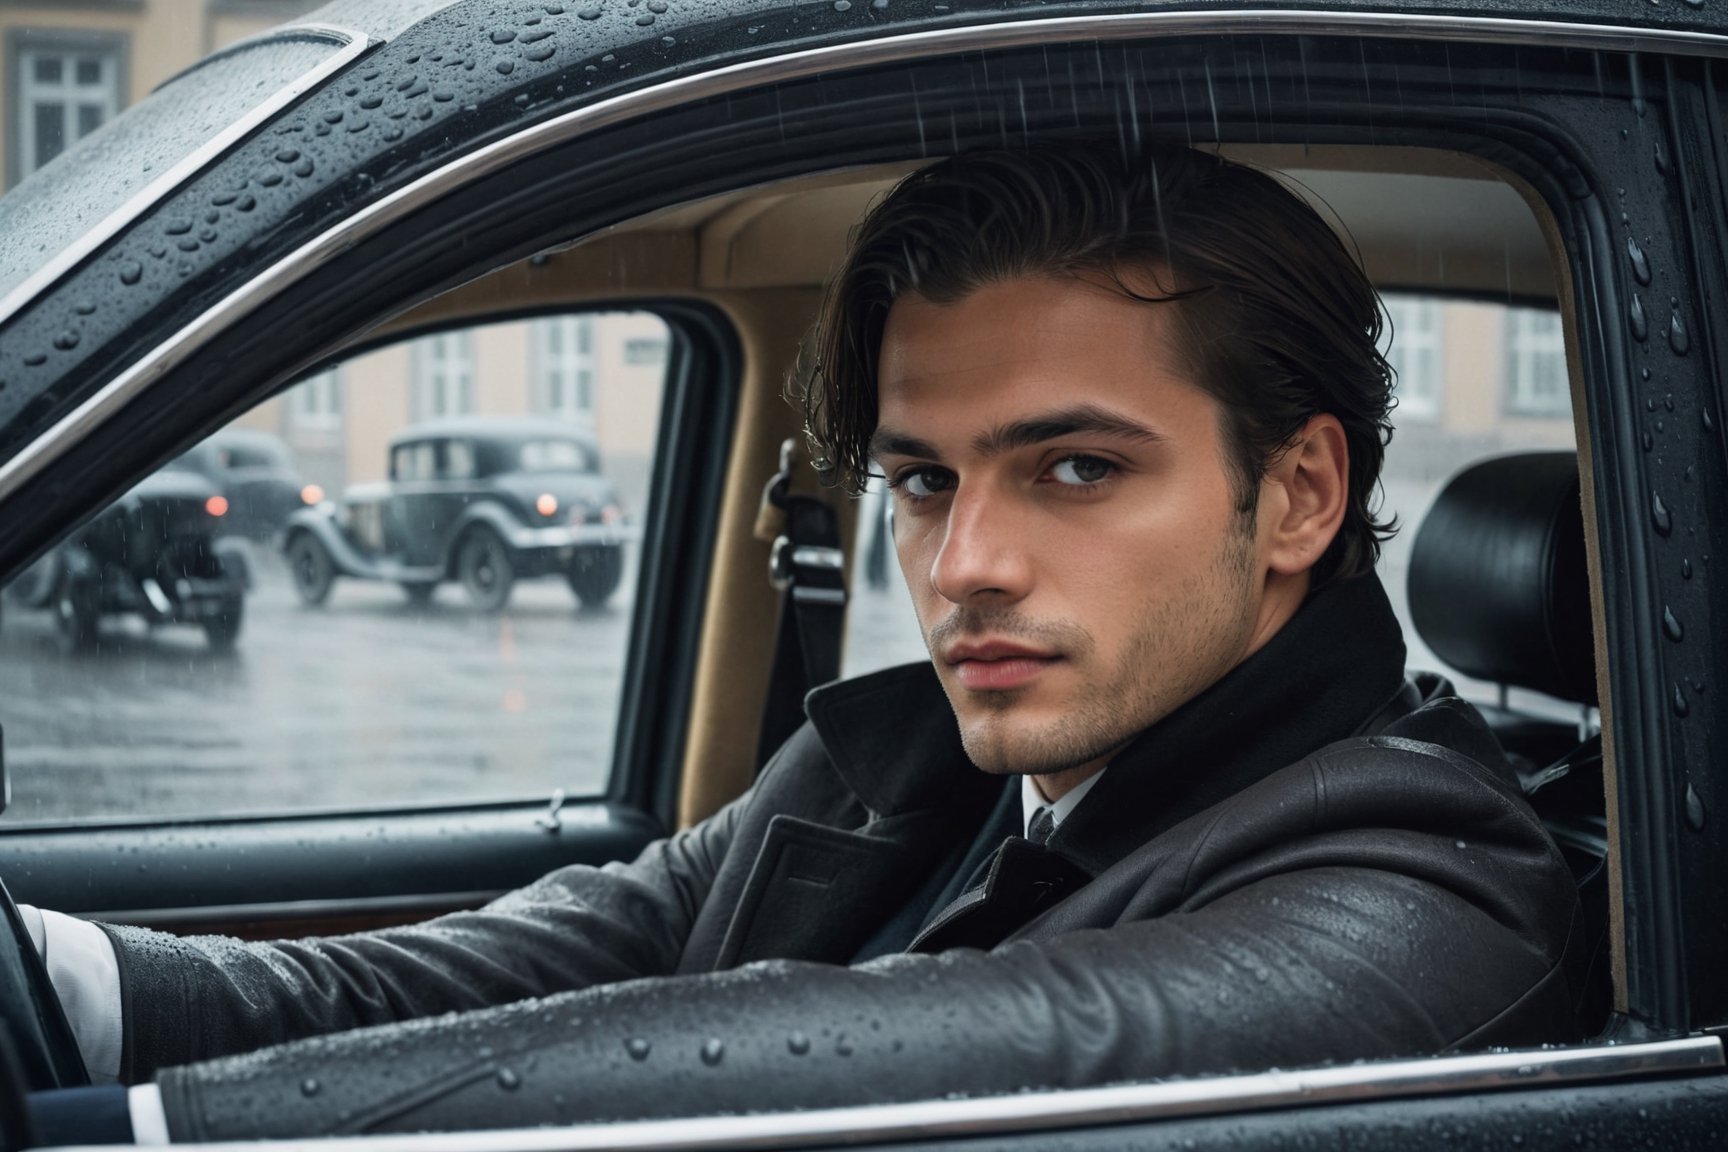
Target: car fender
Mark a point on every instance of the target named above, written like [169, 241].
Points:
[493, 515]
[319, 523]
[36, 585]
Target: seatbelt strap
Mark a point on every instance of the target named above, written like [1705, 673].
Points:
[808, 567]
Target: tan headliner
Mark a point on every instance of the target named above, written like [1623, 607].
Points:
[1421, 218]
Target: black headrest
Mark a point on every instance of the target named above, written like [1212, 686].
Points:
[1498, 584]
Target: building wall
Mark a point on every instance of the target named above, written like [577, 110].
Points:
[156, 40]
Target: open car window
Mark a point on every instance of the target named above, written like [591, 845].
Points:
[334, 633]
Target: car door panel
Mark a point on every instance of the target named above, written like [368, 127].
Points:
[311, 873]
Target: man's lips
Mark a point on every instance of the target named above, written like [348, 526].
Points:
[994, 666]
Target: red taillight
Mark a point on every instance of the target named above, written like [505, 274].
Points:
[547, 504]
[311, 494]
[611, 514]
[216, 506]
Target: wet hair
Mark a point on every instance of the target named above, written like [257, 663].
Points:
[1272, 316]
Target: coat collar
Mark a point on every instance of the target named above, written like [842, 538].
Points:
[893, 739]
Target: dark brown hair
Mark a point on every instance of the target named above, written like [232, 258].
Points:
[1274, 319]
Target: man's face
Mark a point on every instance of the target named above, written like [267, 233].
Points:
[1064, 516]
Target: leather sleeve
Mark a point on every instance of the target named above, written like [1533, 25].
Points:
[1291, 969]
[194, 998]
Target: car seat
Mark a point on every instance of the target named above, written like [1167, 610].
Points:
[1499, 590]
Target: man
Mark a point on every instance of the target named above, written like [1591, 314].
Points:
[1162, 802]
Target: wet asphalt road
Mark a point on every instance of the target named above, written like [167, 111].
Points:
[365, 701]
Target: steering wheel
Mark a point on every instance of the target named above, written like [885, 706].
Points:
[41, 1036]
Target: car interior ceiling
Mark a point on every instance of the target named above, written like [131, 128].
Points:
[1421, 219]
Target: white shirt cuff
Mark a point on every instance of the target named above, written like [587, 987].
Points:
[149, 1122]
[86, 976]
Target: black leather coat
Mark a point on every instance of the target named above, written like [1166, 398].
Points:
[1312, 861]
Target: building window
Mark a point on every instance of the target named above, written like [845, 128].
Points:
[1536, 380]
[443, 375]
[315, 404]
[644, 350]
[564, 360]
[1415, 355]
[64, 93]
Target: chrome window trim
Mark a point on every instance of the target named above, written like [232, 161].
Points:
[353, 44]
[1074, 1108]
[796, 66]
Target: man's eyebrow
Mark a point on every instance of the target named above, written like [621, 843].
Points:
[1089, 418]
[888, 442]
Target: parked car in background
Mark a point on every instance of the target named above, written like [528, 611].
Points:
[255, 472]
[154, 553]
[481, 501]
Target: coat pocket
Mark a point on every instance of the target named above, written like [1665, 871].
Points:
[815, 893]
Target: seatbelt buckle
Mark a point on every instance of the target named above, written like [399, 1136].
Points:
[790, 565]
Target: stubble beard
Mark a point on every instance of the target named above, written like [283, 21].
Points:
[1178, 646]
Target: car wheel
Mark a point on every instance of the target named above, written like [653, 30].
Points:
[78, 609]
[419, 591]
[595, 574]
[483, 565]
[223, 629]
[309, 563]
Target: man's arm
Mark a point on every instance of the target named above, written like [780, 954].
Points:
[1299, 968]
[194, 998]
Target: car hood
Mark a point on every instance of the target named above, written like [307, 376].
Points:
[173, 484]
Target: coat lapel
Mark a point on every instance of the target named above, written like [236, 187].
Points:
[1024, 879]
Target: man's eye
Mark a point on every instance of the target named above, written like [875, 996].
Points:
[1081, 470]
[922, 483]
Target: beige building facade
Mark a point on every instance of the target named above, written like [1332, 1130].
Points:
[601, 374]
[68, 66]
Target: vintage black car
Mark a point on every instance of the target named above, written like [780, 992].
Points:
[254, 471]
[154, 554]
[422, 164]
[481, 501]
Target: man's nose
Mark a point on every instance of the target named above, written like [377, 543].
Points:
[984, 548]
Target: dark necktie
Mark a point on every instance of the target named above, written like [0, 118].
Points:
[1041, 828]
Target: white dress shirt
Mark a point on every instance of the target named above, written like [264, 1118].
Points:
[1032, 799]
[86, 976]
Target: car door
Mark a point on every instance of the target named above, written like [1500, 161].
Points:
[1612, 133]
[417, 499]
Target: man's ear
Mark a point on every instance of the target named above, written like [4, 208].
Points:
[1314, 474]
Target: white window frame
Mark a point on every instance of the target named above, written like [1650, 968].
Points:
[1415, 354]
[564, 368]
[29, 92]
[443, 375]
[315, 404]
[1537, 383]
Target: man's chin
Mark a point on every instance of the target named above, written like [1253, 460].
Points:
[1017, 745]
